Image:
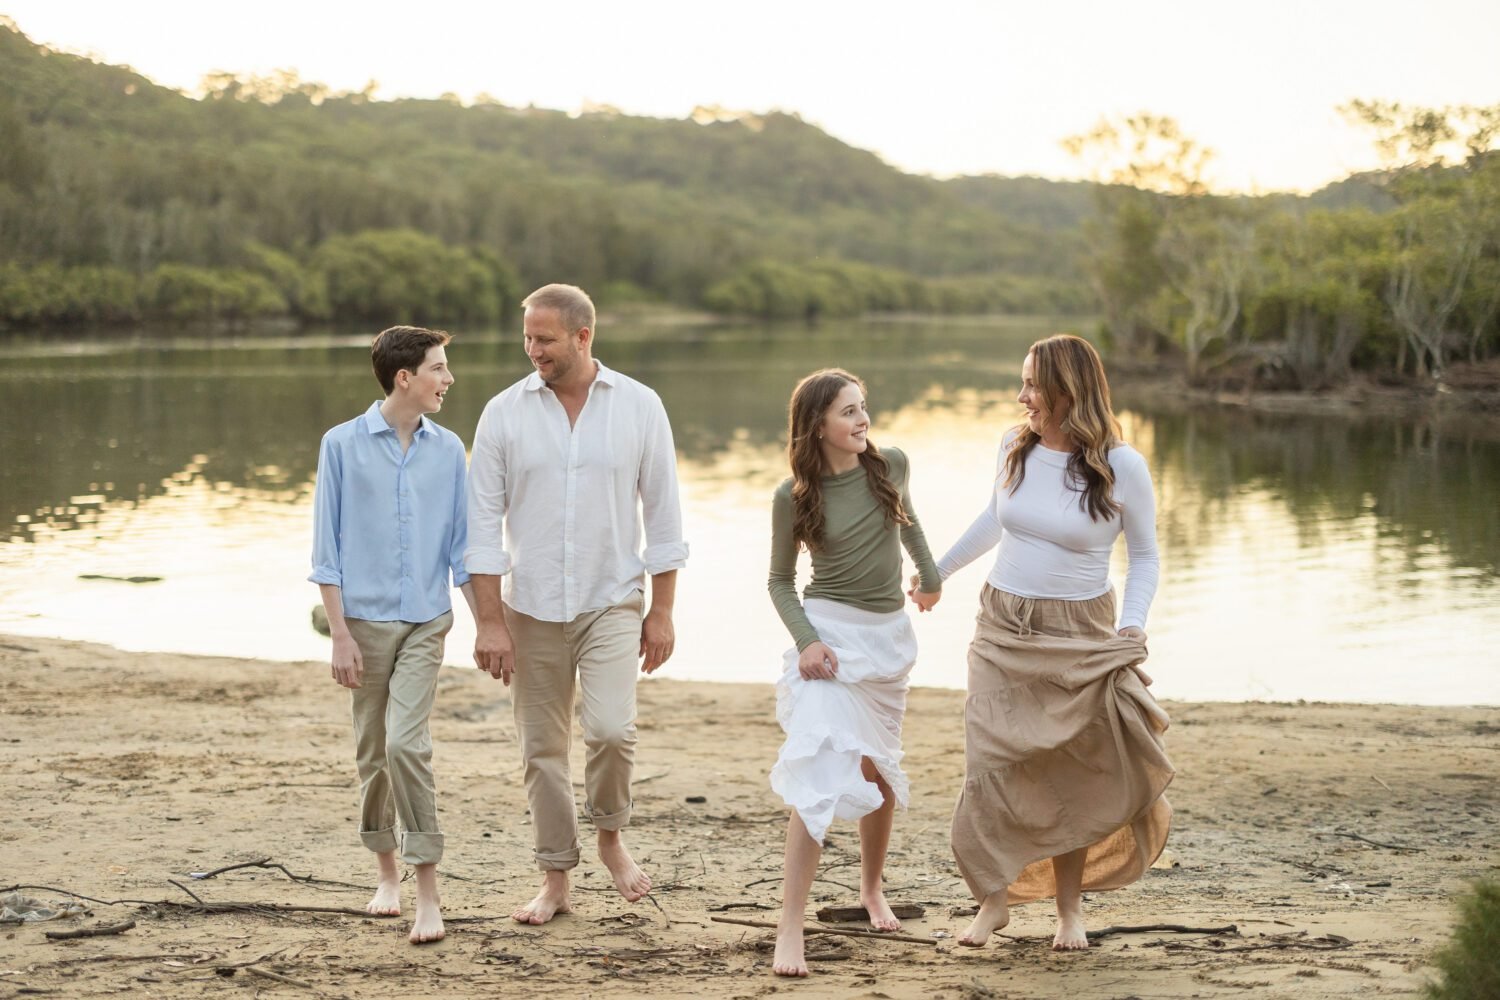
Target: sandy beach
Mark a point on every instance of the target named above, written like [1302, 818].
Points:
[1333, 837]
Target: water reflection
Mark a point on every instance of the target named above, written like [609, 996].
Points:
[1303, 557]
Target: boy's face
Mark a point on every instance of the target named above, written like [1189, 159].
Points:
[426, 386]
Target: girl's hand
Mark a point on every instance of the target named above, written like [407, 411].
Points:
[1133, 632]
[923, 600]
[818, 663]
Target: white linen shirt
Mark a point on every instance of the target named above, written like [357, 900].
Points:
[559, 510]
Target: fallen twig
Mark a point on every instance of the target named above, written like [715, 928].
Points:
[881, 935]
[278, 977]
[268, 863]
[1328, 942]
[85, 932]
[1382, 784]
[1376, 843]
[1153, 928]
[854, 914]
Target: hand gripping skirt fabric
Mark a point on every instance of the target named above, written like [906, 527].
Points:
[1063, 750]
[830, 725]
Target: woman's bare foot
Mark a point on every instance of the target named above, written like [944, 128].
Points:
[881, 917]
[387, 899]
[994, 913]
[1071, 935]
[428, 925]
[629, 879]
[789, 959]
[552, 900]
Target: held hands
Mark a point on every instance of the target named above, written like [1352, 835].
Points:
[348, 665]
[818, 663]
[494, 652]
[658, 639]
[921, 598]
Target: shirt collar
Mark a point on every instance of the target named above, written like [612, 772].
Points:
[375, 421]
[605, 375]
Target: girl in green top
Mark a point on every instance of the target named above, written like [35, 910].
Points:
[842, 693]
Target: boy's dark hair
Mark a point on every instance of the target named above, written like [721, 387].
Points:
[402, 348]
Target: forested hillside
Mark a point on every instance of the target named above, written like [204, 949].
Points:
[121, 200]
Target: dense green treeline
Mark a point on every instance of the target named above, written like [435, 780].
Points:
[1399, 276]
[122, 201]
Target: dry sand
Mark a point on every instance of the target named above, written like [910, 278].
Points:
[1335, 838]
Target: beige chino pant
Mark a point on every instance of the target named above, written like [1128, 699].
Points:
[598, 654]
[392, 743]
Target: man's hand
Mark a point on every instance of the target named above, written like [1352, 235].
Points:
[658, 639]
[494, 652]
[348, 665]
[818, 663]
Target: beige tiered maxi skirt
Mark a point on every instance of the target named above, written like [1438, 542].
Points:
[1063, 750]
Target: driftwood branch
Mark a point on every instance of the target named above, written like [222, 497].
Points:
[878, 935]
[855, 914]
[269, 864]
[86, 932]
[1172, 928]
[1328, 942]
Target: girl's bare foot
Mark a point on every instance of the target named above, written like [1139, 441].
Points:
[789, 959]
[881, 917]
[552, 900]
[994, 913]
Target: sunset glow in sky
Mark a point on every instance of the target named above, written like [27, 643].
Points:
[941, 87]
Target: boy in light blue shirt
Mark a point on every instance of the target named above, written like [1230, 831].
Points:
[389, 532]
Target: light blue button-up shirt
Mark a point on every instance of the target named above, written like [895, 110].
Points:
[389, 528]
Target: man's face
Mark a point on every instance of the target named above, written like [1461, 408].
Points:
[555, 351]
[429, 383]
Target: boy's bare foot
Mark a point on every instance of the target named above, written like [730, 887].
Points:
[387, 899]
[881, 917]
[994, 913]
[789, 959]
[629, 879]
[1071, 935]
[428, 925]
[552, 900]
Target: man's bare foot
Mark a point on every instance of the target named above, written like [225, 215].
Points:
[387, 899]
[552, 900]
[428, 925]
[994, 913]
[789, 959]
[1071, 935]
[629, 879]
[881, 917]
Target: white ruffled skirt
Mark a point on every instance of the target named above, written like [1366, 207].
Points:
[831, 724]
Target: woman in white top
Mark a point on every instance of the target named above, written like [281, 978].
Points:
[1064, 765]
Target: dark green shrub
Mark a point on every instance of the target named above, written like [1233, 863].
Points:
[1470, 962]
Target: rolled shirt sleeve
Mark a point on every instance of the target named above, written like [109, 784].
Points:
[661, 507]
[327, 567]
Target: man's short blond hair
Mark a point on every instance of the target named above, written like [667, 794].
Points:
[574, 307]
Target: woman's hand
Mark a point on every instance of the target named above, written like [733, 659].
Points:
[818, 663]
[1133, 632]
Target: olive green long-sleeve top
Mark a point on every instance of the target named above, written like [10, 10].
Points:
[860, 562]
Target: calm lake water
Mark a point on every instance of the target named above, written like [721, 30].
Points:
[1302, 557]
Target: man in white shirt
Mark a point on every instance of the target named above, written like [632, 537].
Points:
[569, 465]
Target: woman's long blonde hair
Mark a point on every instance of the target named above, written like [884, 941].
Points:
[810, 402]
[1065, 365]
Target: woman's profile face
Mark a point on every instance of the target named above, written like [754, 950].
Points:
[1039, 415]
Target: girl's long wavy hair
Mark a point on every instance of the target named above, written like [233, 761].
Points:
[1065, 365]
[810, 402]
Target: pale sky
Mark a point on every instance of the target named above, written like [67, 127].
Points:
[933, 86]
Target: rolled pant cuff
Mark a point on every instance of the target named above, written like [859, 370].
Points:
[608, 821]
[421, 848]
[559, 861]
[379, 841]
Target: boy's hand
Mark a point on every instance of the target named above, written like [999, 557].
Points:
[658, 639]
[348, 665]
[494, 652]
